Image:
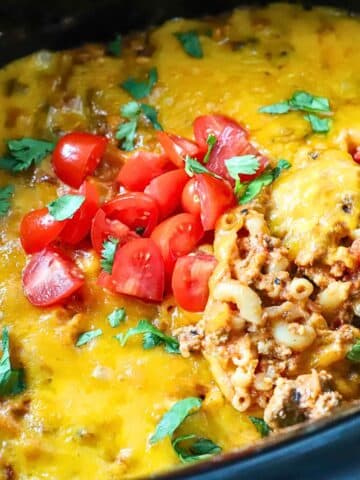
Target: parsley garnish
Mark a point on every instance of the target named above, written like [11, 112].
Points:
[191, 43]
[261, 426]
[198, 449]
[25, 152]
[243, 164]
[152, 115]
[116, 317]
[86, 337]
[108, 254]
[211, 141]
[318, 125]
[354, 354]
[65, 207]
[141, 88]
[174, 417]
[5, 194]
[115, 46]
[11, 381]
[193, 166]
[152, 337]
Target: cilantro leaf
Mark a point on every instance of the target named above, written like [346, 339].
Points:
[191, 43]
[152, 115]
[25, 152]
[126, 132]
[115, 46]
[307, 102]
[354, 353]
[11, 381]
[130, 110]
[199, 449]
[211, 141]
[86, 337]
[65, 207]
[281, 165]
[243, 164]
[141, 88]
[318, 125]
[193, 166]
[5, 194]
[116, 317]
[174, 417]
[108, 254]
[276, 108]
[144, 327]
[261, 426]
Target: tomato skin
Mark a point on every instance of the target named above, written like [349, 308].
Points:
[77, 155]
[177, 148]
[167, 190]
[214, 125]
[134, 209]
[190, 200]
[356, 155]
[190, 280]
[50, 278]
[138, 270]
[105, 281]
[38, 229]
[141, 168]
[177, 236]
[78, 227]
[102, 228]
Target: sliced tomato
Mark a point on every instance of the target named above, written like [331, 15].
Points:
[190, 200]
[141, 168]
[356, 154]
[105, 281]
[206, 125]
[190, 280]
[50, 278]
[77, 155]
[103, 228]
[78, 227]
[135, 209]
[38, 228]
[139, 270]
[177, 148]
[177, 236]
[167, 189]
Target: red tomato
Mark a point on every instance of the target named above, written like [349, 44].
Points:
[105, 281]
[134, 209]
[356, 155]
[177, 236]
[139, 270]
[190, 280]
[103, 228]
[50, 278]
[79, 226]
[167, 189]
[214, 125]
[38, 228]
[190, 200]
[77, 155]
[177, 148]
[141, 168]
[216, 196]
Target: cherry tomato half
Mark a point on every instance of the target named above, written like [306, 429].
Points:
[190, 280]
[177, 236]
[134, 209]
[214, 125]
[356, 154]
[77, 155]
[139, 270]
[79, 225]
[177, 148]
[141, 168]
[38, 228]
[166, 190]
[190, 200]
[50, 278]
[102, 228]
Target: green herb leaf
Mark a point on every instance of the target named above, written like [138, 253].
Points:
[354, 354]
[261, 426]
[144, 327]
[191, 43]
[276, 108]
[139, 89]
[281, 165]
[152, 115]
[108, 254]
[307, 102]
[65, 207]
[25, 152]
[130, 110]
[5, 194]
[126, 132]
[243, 164]
[198, 449]
[193, 166]
[151, 341]
[11, 381]
[116, 317]
[86, 337]
[211, 141]
[174, 417]
[318, 125]
[115, 46]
